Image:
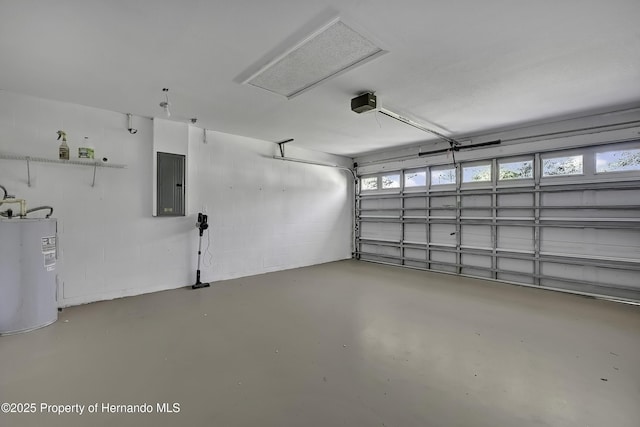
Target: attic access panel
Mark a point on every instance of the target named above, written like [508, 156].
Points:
[332, 50]
[171, 188]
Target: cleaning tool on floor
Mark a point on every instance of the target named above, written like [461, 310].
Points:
[201, 225]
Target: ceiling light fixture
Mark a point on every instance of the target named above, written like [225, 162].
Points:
[165, 104]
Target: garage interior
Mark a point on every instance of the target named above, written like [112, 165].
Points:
[396, 214]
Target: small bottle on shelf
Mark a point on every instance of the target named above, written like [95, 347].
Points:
[63, 151]
[85, 152]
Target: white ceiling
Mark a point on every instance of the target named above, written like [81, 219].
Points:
[460, 66]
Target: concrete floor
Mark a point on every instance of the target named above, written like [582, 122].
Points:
[341, 344]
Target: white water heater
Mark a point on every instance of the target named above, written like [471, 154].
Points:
[28, 294]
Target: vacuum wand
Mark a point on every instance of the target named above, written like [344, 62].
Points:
[202, 225]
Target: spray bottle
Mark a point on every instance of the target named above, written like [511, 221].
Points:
[64, 148]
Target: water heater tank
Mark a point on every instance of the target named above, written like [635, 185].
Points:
[28, 294]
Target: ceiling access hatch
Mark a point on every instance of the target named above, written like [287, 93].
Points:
[328, 52]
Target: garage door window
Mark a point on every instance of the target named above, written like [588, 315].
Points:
[559, 166]
[391, 181]
[443, 176]
[476, 173]
[370, 183]
[415, 179]
[516, 170]
[618, 161]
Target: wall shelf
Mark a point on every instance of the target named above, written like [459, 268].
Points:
[92, 163]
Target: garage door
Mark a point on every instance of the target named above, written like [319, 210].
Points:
[568, 219]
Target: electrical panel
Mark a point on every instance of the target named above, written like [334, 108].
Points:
[171, 188]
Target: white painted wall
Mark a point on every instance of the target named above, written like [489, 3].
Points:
[265, 215]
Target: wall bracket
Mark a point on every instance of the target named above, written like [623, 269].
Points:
[281, 145]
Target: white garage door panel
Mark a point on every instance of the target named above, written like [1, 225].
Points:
[415, 233]
[381, 204]
[443, 234]
[617, 213]
[515, 213]
[476, 213]
[365, 247]
[515, 200]
[590, 288]
[565, 198]
[381, 259]
[420, 254]
[590, 241]
[476, 260]
[592, 197]
[476, 272]
[558, 240]
[415, 213]
[446, 257]
[381, 214]
[381, 250]
[516, 278]
[566, 213]
[391, 254]
[622, 278]
[476, 201]
[415, 203]
[370, 204]
[476, 236]
[518, 199]
[573, 272]
[516, 238]
[516, 265]
[617, 243]
[615, 197]
[416, 264]
[587, 214]
[443, 201]
[587, 273]
[384, 231]
[443, 214]
[386, 250]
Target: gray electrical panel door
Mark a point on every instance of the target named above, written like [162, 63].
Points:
[171, 188]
